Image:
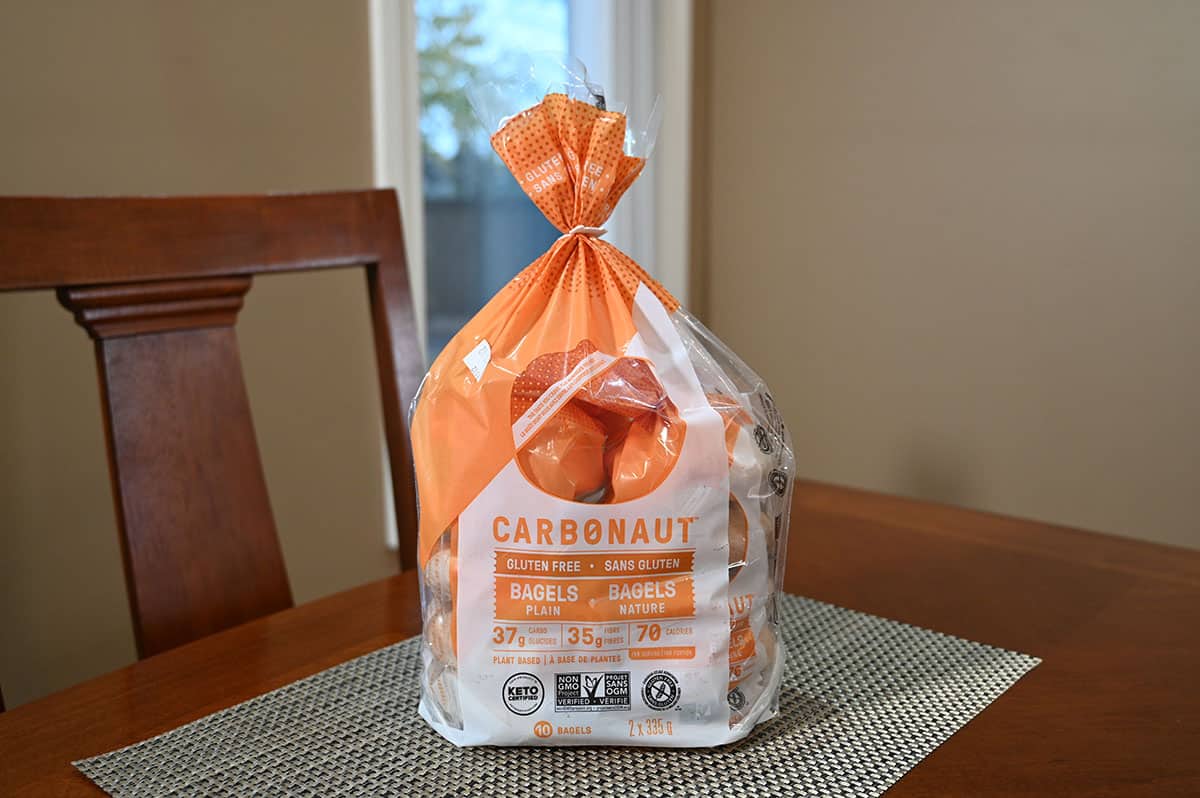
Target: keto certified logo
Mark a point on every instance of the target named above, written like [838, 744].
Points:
[523, 693]
[660, 690]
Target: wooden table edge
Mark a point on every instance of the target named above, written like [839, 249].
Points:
[396, 598]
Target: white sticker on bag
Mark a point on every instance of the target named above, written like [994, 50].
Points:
[478, 358]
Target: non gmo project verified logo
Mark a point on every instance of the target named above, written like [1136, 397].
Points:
[591, 692]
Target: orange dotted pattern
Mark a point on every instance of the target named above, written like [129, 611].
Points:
[541, 373]
[628, 386]
[569, 158]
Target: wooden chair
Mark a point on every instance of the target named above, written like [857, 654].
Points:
[158, 283]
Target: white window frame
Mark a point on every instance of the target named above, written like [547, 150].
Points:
[396, 131]
[635, 49]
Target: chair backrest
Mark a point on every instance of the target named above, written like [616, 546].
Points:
[158, 283]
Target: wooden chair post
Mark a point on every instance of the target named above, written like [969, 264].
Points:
[198, 539]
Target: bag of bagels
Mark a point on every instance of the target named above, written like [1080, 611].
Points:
[603, 485]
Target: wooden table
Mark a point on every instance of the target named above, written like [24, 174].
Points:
[1113, 710]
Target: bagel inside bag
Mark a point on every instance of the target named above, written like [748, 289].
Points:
[603, 486]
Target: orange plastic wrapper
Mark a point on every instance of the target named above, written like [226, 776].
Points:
[603, 485]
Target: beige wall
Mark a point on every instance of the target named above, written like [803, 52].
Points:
[152, 97]
[961, 240]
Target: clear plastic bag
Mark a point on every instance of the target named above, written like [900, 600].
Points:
[604, 486]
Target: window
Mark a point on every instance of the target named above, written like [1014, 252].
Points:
[480, 228]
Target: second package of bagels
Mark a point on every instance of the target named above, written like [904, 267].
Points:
[603, 485]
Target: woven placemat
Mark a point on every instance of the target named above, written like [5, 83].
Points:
[864, 700]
